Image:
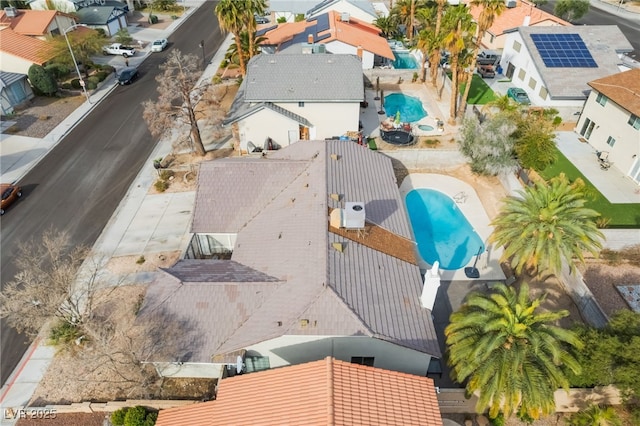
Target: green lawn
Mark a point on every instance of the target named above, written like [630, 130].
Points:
[620, 215]
[480, 92]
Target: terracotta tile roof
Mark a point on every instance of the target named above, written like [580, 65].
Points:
[515, 17]
[22, 46]
[325, 392]
[622, 88]
[354, 33]
[29, 22]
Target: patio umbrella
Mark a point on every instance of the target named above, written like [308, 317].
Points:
[397, 120]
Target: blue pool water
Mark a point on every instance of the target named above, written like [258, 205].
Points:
[410, 108]
[404, 60]
[441, 230]
[425, 127]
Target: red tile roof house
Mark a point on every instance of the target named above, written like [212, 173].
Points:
[331, 32]
[518, 13]
[325, 392]
[292, 97]
[268, 279]
[23, 34]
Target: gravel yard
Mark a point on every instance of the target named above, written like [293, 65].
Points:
[41, 115]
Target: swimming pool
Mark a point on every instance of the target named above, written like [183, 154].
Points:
[441, 230]
[404, 60]
[410, 108]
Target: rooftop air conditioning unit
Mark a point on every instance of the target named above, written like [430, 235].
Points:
[307, 49]
[344, 16]
[511, 4]
[354, 215]
[11, 12]
[320, 48]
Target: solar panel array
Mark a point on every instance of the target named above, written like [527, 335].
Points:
[563, 51]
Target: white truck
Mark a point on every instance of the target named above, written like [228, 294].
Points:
[119, 49]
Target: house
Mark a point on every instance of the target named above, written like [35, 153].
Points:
[14, 90]
[296, 97]
[108, 15]
[325, 392]
[36, 23]
[297, 255]
[19, 51]
[554, 64]
[330, 32]
[518, 13]
[71, 6]
[289, 9]
[610, 120]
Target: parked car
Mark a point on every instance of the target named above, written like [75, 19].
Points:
[486, 71]
[518, 95]
[10, 194]
[127, 75]
[119, 49]
[159, 45]
[487, 57]
[261, 20]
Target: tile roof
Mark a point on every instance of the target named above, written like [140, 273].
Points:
[29, 22]
[325, 392]
[246, 110]
[604, 42]
[514, 17]
[354, 33]
[622, 88]
[304, 78]
[99, 15]
[25, 47]
[278, 207]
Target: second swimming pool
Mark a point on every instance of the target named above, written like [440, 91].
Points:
[441, 230]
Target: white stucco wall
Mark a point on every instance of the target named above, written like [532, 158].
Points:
[611, 120]
[328, 118]
[287, 350]
[532, 81]
[11, 63]
[266, 123]
[353, 11]
[338, 47]
[189, 369]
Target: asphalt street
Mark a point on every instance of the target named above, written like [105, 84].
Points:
[79, 184]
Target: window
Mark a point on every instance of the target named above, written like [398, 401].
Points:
[611, 141]
[532, 82]
[516, 46]
[601, 99]
[522, 74]
[491, 38]
[362, 360]
[301, 104]
[634, 121]
[543, 92]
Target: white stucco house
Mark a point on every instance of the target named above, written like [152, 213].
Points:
[297, 255]
[610, 120]
[108, 15]
[330, 32]
[14, 90]
[292, 97]
[554, 64]
[289, 9]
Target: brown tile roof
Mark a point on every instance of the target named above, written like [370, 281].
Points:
[29, 22]
[325, 392]
[622, 88]
[514, 17]
[354, 33]
[29, 48]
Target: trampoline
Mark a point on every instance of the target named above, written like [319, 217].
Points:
[397, 137]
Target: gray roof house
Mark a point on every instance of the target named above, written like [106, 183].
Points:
[291, 97]
[296, 285]
[554, 64]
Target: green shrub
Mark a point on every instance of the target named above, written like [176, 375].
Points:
[135, 416]
[123, 36]
[117, 417]
[161, 185]
[299, 17]
[153, 19]
[166, 174]
[42, 81]
[57, 70]
[281, 20]
[90, 85]
[66, 86]
[151, 419]
[498, 421]
[108, 69]
[101, 75]
[75, 83]
[64, 333]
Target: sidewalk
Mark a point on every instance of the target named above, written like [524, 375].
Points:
[142, 223]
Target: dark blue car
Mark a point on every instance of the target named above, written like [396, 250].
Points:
[127, 75]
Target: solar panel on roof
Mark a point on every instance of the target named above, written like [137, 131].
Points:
[263, 31]
[322, 23]
[563, 51]
[323, 36]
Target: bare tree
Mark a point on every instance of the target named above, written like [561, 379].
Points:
[176, 101]
[51, 284]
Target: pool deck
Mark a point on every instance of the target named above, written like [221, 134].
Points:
[469, 203]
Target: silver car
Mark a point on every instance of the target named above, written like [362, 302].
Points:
[159, 45]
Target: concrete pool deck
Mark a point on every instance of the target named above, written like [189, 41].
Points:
[469, 204]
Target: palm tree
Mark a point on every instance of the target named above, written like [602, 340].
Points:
[458, 21]
[510, 353]
[405, 12]
[231, 16]
[426, 40]
[490, 9]
[387, 25]
[251, 9]
[596, 416]
[546, 224]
